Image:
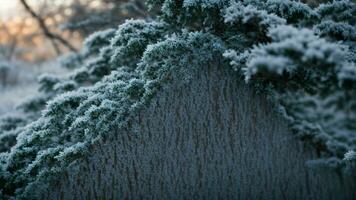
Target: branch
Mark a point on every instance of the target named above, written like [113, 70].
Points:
[52, 36]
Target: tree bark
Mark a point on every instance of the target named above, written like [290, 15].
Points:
[212, 137]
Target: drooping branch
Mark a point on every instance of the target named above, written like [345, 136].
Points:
[52, 36]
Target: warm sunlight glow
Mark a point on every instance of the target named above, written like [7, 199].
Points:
[7, 8]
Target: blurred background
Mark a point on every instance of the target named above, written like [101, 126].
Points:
[29, 28]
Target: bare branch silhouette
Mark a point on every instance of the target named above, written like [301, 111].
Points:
[52, 36]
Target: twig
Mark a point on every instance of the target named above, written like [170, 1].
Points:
[52, 36]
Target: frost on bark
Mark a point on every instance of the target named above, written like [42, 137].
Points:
[210, 137]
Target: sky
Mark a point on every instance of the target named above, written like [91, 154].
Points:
[9, 8]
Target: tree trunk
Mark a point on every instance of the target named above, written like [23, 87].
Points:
[209, 138]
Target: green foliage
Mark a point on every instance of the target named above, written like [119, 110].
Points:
[338, 20]
[86, 19]
[279, 46]
[317, 106]
[132, 39]
[311, 78]
[9, 128]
